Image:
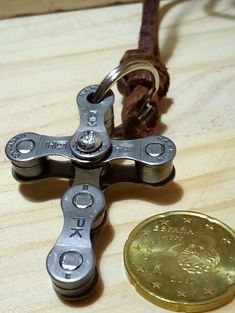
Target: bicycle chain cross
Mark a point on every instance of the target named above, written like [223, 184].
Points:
[91, 154]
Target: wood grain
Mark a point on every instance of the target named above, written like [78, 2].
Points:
[45, 61]
[15, 8]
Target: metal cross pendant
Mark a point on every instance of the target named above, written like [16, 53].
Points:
[91, 154]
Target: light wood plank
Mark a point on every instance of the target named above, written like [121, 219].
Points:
[15, 8]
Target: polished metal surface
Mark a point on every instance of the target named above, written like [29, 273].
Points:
[182, 261]
[89, 141]
[71, 263]
[90, 155]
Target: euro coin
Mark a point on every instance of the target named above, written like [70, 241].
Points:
[182, 261]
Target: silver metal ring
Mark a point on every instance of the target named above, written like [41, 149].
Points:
[121, 71]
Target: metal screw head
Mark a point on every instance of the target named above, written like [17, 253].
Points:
[25, 146]
[83, 200]
[89, 141]
[70, 260]
[154, 149]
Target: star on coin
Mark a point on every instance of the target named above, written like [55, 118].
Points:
[181, 294]
[208, 291]
[137, 247]
[226, 241]
[209, 226]
[156, 285]
[165, 223]
[187, 220]
[146, 232]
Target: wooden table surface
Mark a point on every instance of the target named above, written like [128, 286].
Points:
[44, 62]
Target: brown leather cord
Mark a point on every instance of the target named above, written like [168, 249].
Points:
[135, 85]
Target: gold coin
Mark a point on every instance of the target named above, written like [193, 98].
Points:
[182, 261]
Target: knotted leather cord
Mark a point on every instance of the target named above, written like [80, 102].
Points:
[135, 86]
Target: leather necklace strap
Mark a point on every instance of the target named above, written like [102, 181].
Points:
[135, 86]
